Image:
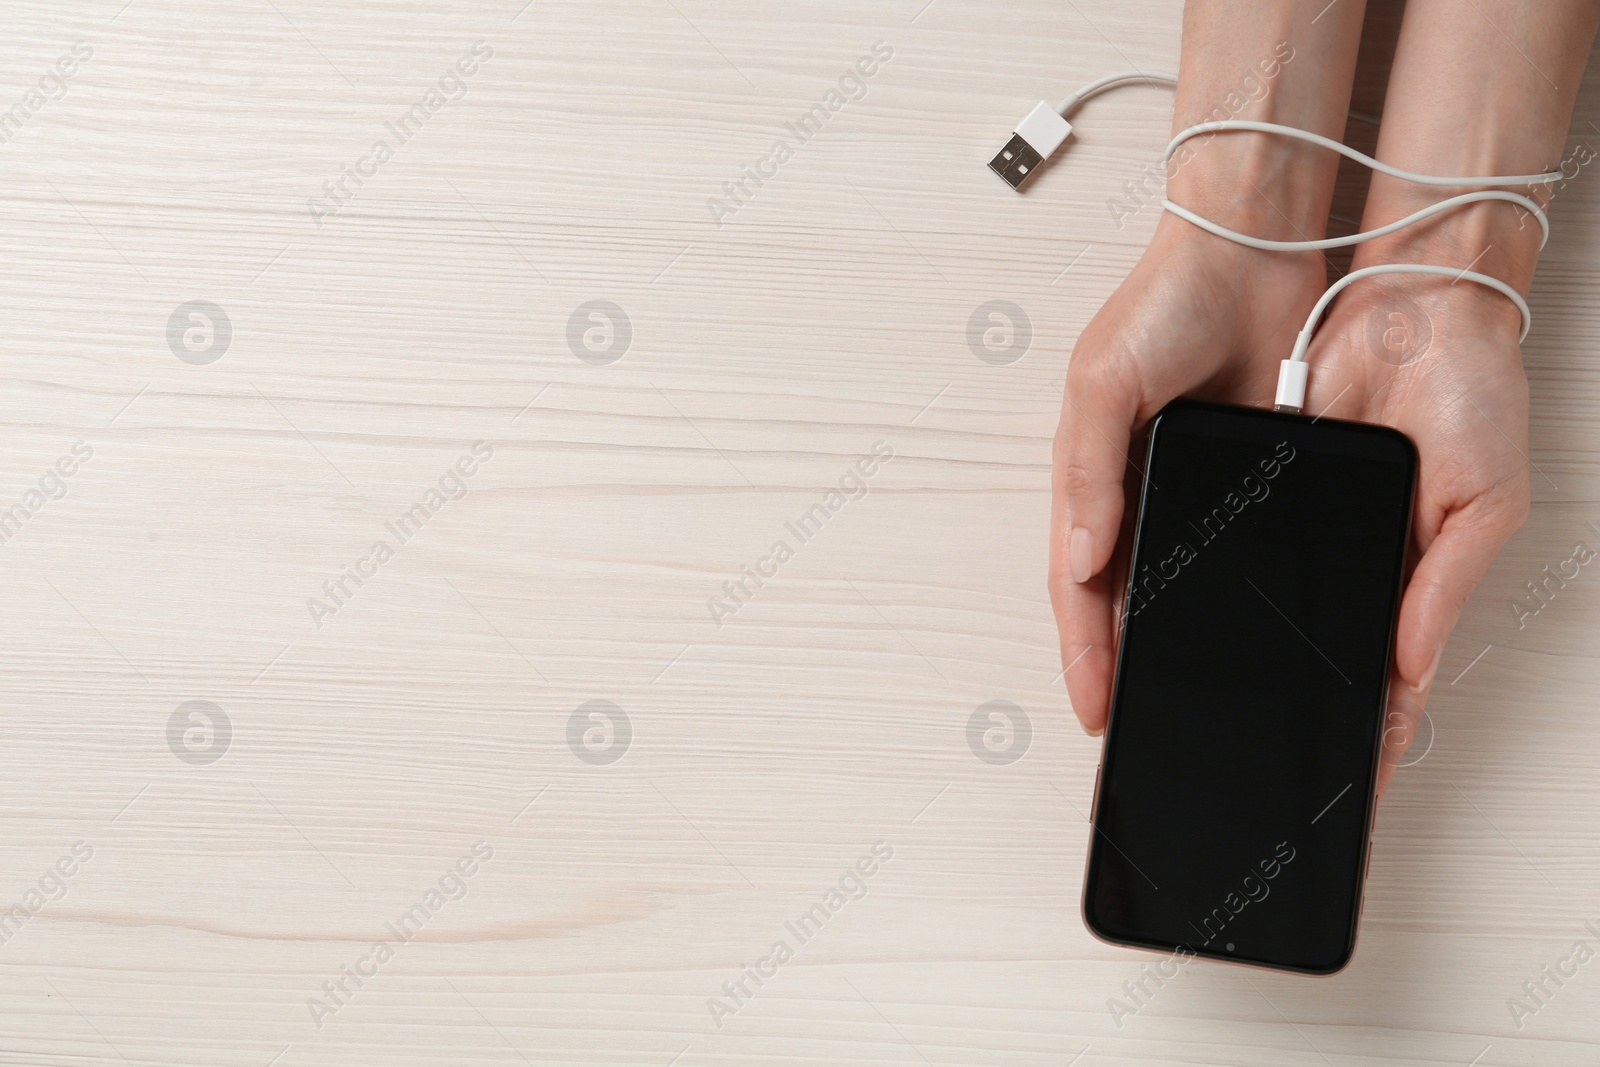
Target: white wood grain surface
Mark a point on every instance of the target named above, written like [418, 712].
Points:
[430, 712]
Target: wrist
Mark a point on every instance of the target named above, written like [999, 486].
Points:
[1237, 275]
[1289, 64]
[1256, 183]
[1403, 312]
[1497, 238]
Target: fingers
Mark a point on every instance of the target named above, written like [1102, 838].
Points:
[1449, 570]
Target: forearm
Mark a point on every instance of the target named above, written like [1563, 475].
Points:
[1480, 88]
[1272, 63]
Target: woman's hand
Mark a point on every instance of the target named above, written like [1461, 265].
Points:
[1198, 316]
[1201, 317]
[1440, 362]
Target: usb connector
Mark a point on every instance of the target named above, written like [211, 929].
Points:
[1033, 141]
[1015, 161]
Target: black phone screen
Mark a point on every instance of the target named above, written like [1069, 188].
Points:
[1236, 788]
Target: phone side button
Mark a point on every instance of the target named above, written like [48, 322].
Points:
[1094, 801]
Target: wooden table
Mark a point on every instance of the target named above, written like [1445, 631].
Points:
[580, 743]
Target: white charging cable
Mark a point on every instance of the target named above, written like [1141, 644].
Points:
[1121, 77]
[1038, 136]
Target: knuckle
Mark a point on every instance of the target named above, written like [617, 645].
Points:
[1518, 507]
[1090, 372]
[1059, 582]
[1507, 506]
[1078, 479]
[1449, 594]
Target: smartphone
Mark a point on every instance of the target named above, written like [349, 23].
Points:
[1233, 806]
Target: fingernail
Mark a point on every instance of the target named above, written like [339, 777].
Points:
[1079, 551]
[1427, 675]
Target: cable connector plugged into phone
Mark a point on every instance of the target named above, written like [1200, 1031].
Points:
[1292, 375]
[1035, 140]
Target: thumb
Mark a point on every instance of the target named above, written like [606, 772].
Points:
[1091, 454]
[1448, 571]
[1400, 724]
